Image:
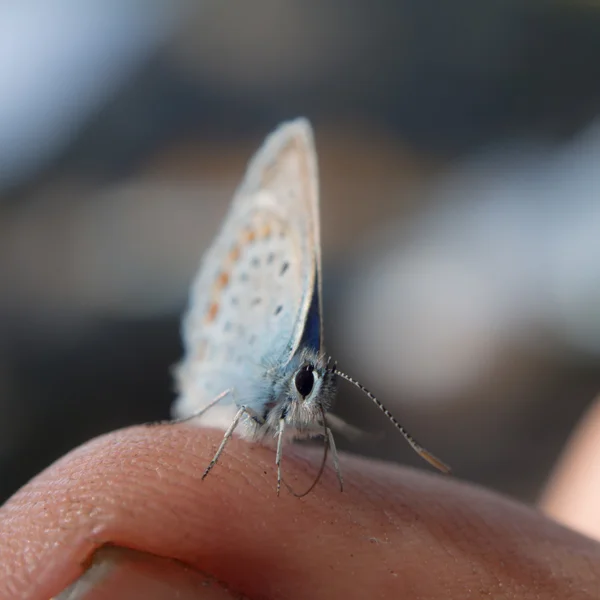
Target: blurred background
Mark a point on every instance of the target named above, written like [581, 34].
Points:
[459, 155]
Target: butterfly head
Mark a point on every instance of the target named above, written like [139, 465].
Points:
[308, 388]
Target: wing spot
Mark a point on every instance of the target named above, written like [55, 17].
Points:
[234, 254]
[284, 267]
[270, 257]
[222, 280]
[256, 301]
[278, 309]
[244, 276]
[213, 311]
[235, 300]
[265, 231]
[248, 237]
[255, 261]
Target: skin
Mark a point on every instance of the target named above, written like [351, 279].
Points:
[393, 533]
[573, 494]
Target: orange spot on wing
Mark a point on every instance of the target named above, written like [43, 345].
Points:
[248, 236]
[222, 280]
[234, 254]
[213, 310]
[265, 231]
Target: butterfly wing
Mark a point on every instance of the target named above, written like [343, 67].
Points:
[256, 297]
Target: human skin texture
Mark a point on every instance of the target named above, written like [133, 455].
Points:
[392, 533]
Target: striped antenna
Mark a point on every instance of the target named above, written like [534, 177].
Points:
[422, 452]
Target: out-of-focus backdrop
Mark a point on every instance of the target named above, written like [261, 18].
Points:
[460, 175]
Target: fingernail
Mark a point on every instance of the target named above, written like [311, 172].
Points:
[118, 573]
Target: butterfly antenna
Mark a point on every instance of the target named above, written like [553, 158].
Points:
[422, 452]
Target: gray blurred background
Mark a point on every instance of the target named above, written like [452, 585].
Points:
[459, 156]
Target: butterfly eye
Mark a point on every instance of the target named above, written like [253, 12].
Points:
[305, 380]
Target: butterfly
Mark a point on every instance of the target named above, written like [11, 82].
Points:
[253, 333]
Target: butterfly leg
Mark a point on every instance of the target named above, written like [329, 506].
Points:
[279, 452]
[200, 412]
[226, 437]
[334, 456]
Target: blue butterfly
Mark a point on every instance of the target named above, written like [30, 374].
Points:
[253, 333]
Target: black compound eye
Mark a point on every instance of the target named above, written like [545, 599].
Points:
[305, 380]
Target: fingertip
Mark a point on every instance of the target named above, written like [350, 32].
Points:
[141, 488]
